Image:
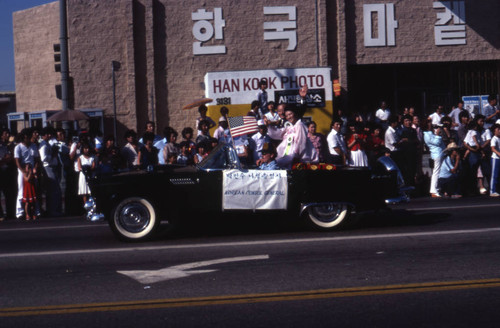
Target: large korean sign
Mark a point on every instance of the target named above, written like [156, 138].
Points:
[280, 24]
[241, 87]
[254, 190]
[380, 23]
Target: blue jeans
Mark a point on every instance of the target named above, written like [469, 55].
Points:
[475, 161]
[495, 173]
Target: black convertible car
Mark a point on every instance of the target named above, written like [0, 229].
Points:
[135, 202]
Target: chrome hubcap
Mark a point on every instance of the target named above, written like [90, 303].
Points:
[326, 213]
[134, 217]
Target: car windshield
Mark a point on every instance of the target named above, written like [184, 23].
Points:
[221, 157]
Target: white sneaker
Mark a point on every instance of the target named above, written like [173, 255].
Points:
[495, 194]
[483, 191]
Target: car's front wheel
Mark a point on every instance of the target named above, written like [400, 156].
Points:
[134, 219]
[328, 216]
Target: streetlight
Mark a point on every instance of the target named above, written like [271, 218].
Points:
[115, 66]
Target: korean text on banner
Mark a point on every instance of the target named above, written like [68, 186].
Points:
[255, 190]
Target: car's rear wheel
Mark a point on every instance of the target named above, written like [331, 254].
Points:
[134, 219]
[328, 216]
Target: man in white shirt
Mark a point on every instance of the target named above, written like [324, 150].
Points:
[391, 138]
[52, 179]
[455, 113]
[491, 112]
[495, 160]
[336, 143]
[260, 138]
[437, 115]
[25, 152]
[222, 131]
[382, 114]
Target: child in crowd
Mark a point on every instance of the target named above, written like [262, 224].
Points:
[172, 159]
[224, 112]
[187, 135]
[184, 157]
[212, 144]
[203, 131]
[148, 154]
[171, 147]
[202, 152]
[85, 162]
[203, 117]
[29, 193]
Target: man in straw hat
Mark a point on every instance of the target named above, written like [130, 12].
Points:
[448, 174]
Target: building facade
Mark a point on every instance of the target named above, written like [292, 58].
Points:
[409, 53]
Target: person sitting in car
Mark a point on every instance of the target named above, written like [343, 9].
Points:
[267, 161]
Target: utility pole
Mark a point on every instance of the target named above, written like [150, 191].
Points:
[64, 54]
[115, 66]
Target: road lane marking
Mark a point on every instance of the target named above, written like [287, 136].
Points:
[251, 298]
[250, 243]
[180, 271]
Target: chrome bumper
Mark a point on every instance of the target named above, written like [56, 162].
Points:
[401, 198]
[91, 208]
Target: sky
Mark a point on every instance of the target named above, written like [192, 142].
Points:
[7, 7]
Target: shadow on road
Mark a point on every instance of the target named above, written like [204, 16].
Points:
[400, 218]
[234, 224]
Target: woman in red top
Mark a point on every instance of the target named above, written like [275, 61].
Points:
[375, 146]
[356, 142]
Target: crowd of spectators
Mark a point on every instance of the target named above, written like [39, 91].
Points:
[464, 151]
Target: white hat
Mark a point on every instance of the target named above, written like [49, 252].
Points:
[498, 121]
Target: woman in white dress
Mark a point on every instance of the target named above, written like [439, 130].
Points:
[85, 160]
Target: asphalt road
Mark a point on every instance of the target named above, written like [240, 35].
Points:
[431, 263]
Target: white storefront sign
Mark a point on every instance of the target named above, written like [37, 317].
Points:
[204, 30]
[475, 104]
[386, 25]
[444, 33]
[282, 30]
[240, 87]
[254, 190]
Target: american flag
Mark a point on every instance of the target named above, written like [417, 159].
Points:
[241, 125]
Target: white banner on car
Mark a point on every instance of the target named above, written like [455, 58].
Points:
[254, 190]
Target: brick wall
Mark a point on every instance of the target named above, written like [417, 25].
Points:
[101, 32]
[246, 47]
[35, 32]
[415, 34]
